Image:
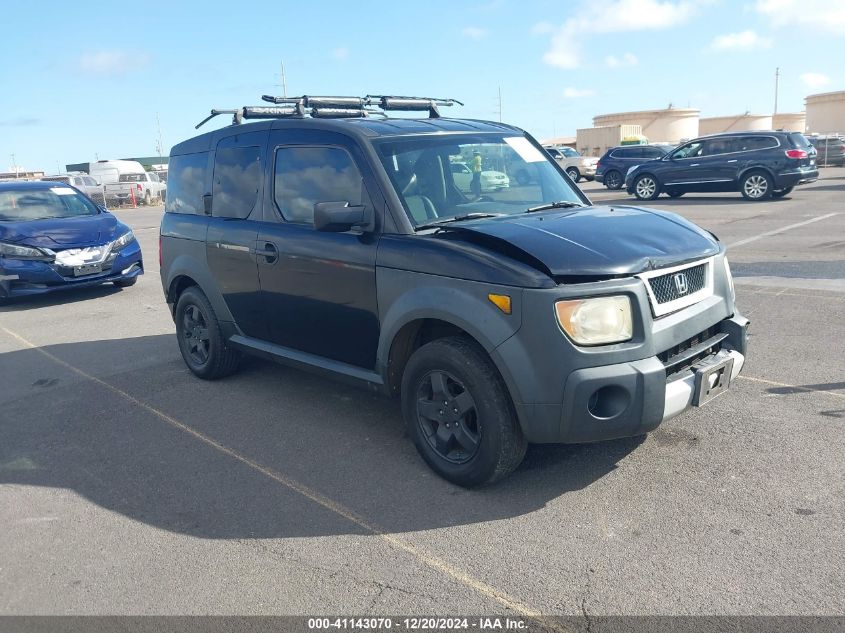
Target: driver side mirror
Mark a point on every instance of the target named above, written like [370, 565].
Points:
[339, 217]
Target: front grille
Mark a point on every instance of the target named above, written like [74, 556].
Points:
[678, 284]
[682, 357]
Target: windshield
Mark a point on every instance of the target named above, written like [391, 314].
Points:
[24, 204]
[440, 177]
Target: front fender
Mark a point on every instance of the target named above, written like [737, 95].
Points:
[405, 296]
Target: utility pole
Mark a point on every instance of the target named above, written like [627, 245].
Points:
[777, 76]
[284, 81]
[159, 145]
[15, 166]
[500, 104]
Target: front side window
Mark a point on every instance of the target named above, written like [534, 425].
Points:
[237, 178]
[304, 176]
[24, 204]
[185, 188]
[443, 176]
[570, 153]
[690, 150]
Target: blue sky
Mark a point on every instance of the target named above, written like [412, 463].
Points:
[89, 79]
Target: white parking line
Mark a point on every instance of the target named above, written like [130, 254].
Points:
[780, 230]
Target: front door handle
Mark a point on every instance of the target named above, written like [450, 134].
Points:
[269, 252]
[695, 165]
[732, 161]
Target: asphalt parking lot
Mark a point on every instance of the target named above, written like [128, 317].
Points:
[127, 486]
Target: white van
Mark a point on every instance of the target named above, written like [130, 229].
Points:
[108, 171]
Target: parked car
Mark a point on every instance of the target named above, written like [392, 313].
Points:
[575, 165]
[346, 247]
[612, 167]
[143, 187]
[757, 164]
[85, 183]
[109, 171]
[54, 238]
[491, 180]
[830, 148]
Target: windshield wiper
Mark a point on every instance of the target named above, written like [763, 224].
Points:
[560, 204]
[457, 218]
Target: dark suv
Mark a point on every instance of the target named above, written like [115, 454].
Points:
[616, 162]
[831, 150]
[344, 246]
[757, 164]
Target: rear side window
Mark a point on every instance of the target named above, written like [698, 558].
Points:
[652, 152]
[307, 175]
[186, 183]
[748, 143]
[237, 178]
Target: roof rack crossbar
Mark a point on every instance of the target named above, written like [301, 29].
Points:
[333, 107]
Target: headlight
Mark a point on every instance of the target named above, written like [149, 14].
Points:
[123, 240]
[21, 252]
[730, 279]
[596, 321]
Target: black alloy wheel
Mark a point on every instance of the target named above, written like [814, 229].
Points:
[195, 332]
[448, 418]
[613, 179]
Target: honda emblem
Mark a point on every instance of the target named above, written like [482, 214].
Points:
[681, 283]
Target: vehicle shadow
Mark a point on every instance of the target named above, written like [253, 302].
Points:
[262, 454]
[686, 200]
[58, 297]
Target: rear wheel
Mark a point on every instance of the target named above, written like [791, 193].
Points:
[646, 187]
[780, 193]
[613, 179]
[674, 193]
[459, 414]
[201, 342]
[756, 185]
[573, 173]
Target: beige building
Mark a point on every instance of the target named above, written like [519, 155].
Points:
[826, 113]
[595, 141]
[791, 121]
[737, 123]
[669, 125]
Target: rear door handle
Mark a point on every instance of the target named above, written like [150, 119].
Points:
[268, 251]
[695, 165]
[732, 161]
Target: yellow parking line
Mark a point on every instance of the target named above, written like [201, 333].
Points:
[796, 387]
[320, 499]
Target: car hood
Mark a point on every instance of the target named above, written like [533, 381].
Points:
[64, 232]
[595, 241]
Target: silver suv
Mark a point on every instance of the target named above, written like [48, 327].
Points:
[85, 183]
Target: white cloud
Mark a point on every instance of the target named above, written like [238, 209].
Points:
[578, 93]
[743, 41]
[815, 80]
[542, 28]
[617, 16]
[474, 33]
[340, 54]
[826, 15]
[628, 59]
[113, 62]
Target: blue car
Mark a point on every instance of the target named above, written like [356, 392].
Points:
[616, 162]
[53, 237]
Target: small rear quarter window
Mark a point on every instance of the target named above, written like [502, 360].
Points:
[186, 182]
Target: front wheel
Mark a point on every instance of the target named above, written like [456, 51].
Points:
[125, 283]
[756, 186]
[459, 414]
[674, 193]
[201, 341]
[573, 173]
[780, 193]
[646, 187]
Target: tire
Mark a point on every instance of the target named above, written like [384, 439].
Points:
[483, 442]
[674, 193]
[148, 199]
[201, 341]
[646, 187]
[573, 174]
[756, 185]
[780, 193]
[125, 283]
[613, 179]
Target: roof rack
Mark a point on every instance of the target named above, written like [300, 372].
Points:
[333, 107]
